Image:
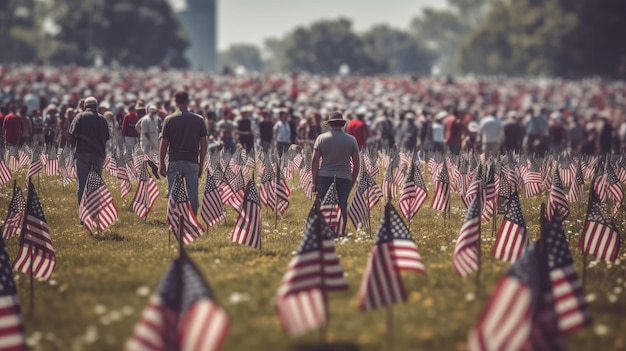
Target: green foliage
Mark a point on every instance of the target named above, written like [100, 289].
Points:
[246, 55]
[326, 45]
[101, 285]
[18, 31]
[404, 52]
[554, 37]
[130, 32]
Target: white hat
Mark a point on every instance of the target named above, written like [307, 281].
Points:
[91, 102]
[441, 115]
[362, 111]
[472, 127]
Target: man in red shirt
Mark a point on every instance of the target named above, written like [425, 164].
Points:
[12, 127]
[129, 133]
[453, 133]
[358, 129]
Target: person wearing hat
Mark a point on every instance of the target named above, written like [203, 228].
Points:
[129, 132]
[244, 128]
[335, 149]
[90, 132]
[50, 125]
[513, 133]
[437, 131]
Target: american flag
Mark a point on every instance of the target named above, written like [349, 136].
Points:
[24, 158]
[615, 188]
[35, 165]
[569, 300]
[474, 187]
[301, 303]
[15, 216]
[122, 178]
[332, 211]
[394, 251]
[36, 249]
[512, 175]
[146, 195]
[558, 207]
[182, 315]
[247, 230]
[578, 185]
[365, 198]
[389, 185]
[212, 205]
[533, 180]
[96, 210]
[282, 192]
[518, 314]
[600, 186]
[504, 193]
[621, 173]
[306, 179]
[489, 194]
[5, 173]
[512, 237]
[413, 194]
[12, 328]
[441, 198]
[600, 236]
[13, 162]
[179, 209]
[52, 167]
[237, 184]
[112, 166]
[466, 258]
[370, 164]
[267, 191]
[222, 185]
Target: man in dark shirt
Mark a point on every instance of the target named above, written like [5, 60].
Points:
[90, 131]
[184, 139]
[266, 130]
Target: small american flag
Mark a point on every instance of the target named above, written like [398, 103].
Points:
[5, 173]
[615, 188]
[36, 255]
[474, 187]
[516, 314]
[237, 184]
[466, 258]
[112, 166]
[441, 198]
[569, 300]
[52, 167]
[35, 165]
[247, 230]
[489, 194]
[267, 191]
[182, 315]
[413, 194]
[146, 195]
[14, 160]
[365, 198]
[389, 185]
[512, 237]
[282, 192]
[394, 251]
[15, 216]
[179, 209]
[533, 180]
[600, 236]
[97, 210]
[332, 211]
[24, 157]
[212, 205]
[576, 190]
[558, 207]
[122, 178]
[12, 336]
[301, 303]
[306, 180]
[504, 193]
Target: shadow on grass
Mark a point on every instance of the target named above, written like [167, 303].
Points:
[338, 346]
[111, 236]
[157, 222]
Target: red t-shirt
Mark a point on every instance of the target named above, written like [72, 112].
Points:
[128, 125]
[453, 130]
[359, 131]
[12, 129]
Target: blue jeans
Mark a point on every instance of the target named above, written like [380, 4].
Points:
[190, 171]
[85, 162]
[343, 191]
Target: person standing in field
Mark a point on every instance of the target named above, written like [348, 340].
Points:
[89, 131]
[184, 139]
[148, 129]
[358, 129]
[336, 149]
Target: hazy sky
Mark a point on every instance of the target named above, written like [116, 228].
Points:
[251, 21]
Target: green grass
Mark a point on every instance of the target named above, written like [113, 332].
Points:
[101, 285]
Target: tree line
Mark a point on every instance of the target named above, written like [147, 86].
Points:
[567, 38]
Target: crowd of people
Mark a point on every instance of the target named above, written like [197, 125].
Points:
[272, 112]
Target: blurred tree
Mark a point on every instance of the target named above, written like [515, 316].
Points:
[403, 52]
[275, 60]
[246, 55]
[325, 46]
[18, 31]
[444, 30]
[131, 32]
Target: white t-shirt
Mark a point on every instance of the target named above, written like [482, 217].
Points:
[283, 132]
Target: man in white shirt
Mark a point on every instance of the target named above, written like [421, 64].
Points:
[148, 129]
[490, 134]
[282, 132]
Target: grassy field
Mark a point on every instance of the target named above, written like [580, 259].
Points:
[101, 285]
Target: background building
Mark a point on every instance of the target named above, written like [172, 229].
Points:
[200, 21]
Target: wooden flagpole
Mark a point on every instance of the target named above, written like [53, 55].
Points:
[32, 283]
[390, 339]
[278, 164]
[479, 198]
